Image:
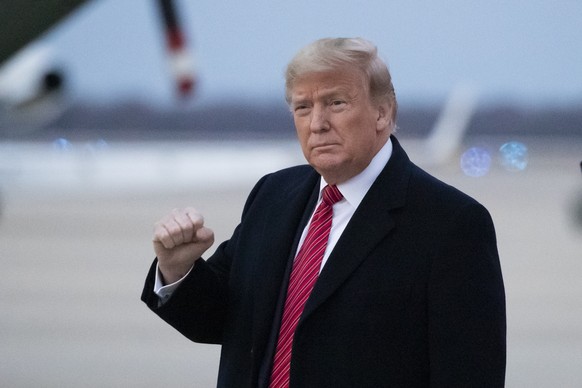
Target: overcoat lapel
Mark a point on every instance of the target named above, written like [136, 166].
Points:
[369, 225]
[279, 240]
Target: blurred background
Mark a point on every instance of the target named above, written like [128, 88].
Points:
[114, 112]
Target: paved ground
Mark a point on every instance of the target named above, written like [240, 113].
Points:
[73, 266]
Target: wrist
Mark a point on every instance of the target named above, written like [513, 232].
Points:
[174, 274]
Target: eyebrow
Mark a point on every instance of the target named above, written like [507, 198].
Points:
[325, 95]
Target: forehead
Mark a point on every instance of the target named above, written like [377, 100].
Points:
[329, 82]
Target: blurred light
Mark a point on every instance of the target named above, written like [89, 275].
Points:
[62, 144]
[476, 162]
[513, 156]
[97, 146]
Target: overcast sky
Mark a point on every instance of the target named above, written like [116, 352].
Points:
[524, 50]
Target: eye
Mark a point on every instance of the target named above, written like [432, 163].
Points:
[301, 109]
[337, 104]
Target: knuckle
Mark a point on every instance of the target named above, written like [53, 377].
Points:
[167, 242]
[173, 229]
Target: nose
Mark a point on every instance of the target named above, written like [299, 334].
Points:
[319, 120]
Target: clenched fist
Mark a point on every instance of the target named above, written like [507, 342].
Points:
[180, 239]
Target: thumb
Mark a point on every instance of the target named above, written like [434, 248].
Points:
[204, 236]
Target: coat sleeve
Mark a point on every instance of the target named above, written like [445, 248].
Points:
[467, 323]
[199, 306]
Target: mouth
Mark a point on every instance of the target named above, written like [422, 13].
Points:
[323, 147]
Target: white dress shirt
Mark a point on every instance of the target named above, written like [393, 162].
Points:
[353, 191]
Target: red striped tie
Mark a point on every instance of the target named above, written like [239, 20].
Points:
[303, 276]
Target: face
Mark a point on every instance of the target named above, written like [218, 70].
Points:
[339, 128]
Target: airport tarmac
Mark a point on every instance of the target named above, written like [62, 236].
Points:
[73, 266]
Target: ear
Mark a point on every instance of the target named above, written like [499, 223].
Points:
[384, 119]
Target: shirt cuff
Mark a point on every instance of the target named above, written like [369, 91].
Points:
[164, 292]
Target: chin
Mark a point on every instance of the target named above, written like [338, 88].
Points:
[332, 173]
[325, 163]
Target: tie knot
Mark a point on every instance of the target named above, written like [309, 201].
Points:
[331, 194]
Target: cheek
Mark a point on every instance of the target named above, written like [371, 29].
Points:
[302, 132]
[359, 143]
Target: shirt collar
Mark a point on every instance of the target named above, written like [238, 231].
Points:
[355, 188]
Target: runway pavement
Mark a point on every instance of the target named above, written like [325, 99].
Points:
[73, 266]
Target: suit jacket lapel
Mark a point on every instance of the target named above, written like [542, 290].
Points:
[370, 223]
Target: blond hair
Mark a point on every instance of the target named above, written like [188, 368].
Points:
[334, 53]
